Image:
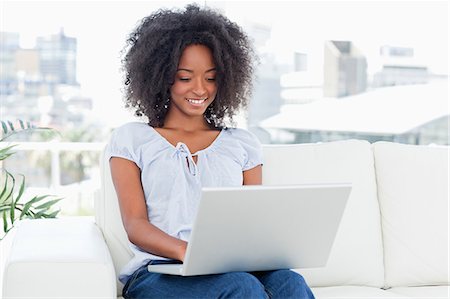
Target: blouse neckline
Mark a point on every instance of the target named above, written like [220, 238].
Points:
[210, 146]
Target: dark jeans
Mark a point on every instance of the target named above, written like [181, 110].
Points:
[267, 284]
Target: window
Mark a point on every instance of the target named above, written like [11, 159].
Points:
[328, 70]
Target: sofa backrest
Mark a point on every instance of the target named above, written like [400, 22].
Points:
[357, 254]
[108, 218]
[356, 258]
[413, 191]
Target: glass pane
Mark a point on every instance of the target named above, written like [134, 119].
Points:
[373, 70]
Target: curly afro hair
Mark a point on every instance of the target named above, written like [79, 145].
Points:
[153, 51]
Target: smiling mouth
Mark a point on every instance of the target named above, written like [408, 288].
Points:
[197, 101]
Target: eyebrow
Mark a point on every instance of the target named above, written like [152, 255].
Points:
[191, 71]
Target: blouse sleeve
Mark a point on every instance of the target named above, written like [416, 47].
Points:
[122, 144]
[252, 148]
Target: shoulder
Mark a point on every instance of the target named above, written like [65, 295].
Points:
[131, 131]
[127, 140]
[242, 135]
[131, 128]
[133, 134]
[245, 144]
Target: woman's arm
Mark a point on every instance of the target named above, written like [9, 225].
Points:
[126, 177]
[253, 176]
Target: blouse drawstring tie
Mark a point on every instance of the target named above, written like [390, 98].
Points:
[184, 151]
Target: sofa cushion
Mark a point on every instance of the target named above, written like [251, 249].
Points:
[357, 256]
[414, 201]
[430, 292]
[353, 292]
[58, 258]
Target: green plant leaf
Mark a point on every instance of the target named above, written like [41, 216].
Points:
[6, 152]
[37, 198]
[40, 214]
[4, 127]
[21, 189]
[5, 187]
[5, 222]
[15, 201]
[52, 215]
[12, 209]
[7, 198]
[26, 208]
[9, 129]
[48, 204]
[4, 208]
[11, 126]
[10, 201]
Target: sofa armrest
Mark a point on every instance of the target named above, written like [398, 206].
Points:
[59, 258]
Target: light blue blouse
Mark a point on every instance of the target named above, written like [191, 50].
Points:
[171, 180]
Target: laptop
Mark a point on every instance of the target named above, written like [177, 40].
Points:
[260, 228]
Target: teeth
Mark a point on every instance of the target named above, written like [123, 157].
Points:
[197, 101]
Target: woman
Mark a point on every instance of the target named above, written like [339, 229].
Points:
[187, 72]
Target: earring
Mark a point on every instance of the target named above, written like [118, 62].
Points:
[166, 104]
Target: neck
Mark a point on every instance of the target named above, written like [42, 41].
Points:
[187, 124]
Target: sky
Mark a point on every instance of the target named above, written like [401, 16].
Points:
[101, 28]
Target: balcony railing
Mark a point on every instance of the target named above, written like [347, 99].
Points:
[78, 196]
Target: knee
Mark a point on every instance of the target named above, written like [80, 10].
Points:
[290, 285]
[291, 276]
[296, 280]
[243, 285]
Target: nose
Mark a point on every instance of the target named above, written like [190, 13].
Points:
[199, 88]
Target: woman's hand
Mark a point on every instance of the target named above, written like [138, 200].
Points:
[182, 250]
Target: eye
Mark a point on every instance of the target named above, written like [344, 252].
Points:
[184, 79]
[211, 79]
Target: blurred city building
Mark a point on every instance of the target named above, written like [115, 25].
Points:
[345, 69]
[9, 44]
[40, 84]
[399, 66]
[415, 114]
[58, 61]
[302, 85]
[300, 62]
[266, 100]
[339, 105]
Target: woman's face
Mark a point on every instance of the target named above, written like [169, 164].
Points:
[194, 87]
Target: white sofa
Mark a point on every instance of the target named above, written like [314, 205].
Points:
[392, 242]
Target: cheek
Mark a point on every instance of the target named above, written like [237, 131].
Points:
[212, 90]
[177, 90]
